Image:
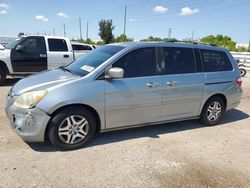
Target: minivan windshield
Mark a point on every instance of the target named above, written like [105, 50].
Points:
[13, 43]
[89, 62]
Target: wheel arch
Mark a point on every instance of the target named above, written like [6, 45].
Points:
[91, 109]
[216, 95]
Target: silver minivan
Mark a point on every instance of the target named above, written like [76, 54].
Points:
[121, 86]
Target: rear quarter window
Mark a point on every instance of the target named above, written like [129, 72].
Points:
[215, 61]
[57, 45]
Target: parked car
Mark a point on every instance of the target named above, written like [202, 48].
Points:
[121, 86]
[30, 54]
[81, 48]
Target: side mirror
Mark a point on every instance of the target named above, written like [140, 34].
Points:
[115, 73]
[19, 47]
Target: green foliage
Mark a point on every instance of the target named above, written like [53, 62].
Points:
[151, 38]
[89, 41]
[100, 43]
[105, 31]
[157, 39]
[123, 38]
[220, 40]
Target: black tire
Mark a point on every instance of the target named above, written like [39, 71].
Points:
[2, 77]
[61, 117]
[243, 72]
[205, 114]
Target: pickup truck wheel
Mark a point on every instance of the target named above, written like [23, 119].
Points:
[213, 111]
[2, 76]
[72, 128]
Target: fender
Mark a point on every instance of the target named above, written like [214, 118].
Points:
[5, 61]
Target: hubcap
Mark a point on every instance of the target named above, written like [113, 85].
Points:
[214, 111]
[73, 129]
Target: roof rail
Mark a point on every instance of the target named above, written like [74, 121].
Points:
[190, 42]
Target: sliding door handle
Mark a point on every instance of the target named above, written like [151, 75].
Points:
[171, 83]
[152, 85]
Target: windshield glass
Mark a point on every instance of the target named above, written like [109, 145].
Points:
[13, 43]
[89, 62]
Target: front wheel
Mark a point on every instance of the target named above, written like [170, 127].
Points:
[72, 128]
[213, 111]
[243, 72]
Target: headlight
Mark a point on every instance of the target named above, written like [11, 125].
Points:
[30, 99]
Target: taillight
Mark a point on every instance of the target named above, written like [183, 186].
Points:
[239, 82]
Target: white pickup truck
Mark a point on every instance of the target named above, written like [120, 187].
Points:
[30, 54]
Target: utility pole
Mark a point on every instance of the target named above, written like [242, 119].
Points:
[64, 30]
[125, 20]
[87, 32]
[54, 31]
[169, 32]
[192, 35]
[80, 26]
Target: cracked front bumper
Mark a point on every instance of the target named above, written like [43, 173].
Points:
[29, 124]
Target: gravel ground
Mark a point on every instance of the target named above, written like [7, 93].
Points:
[182, 154]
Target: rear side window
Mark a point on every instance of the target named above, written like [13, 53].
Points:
[138, 63]
[215, 61]
[178, 61]
[78, 47]
[57, 45]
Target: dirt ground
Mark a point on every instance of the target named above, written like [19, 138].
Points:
[183, 154]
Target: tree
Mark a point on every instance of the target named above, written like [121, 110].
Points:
[123, 38]
[105, 31]
[220, 40]
[158, 39]
[89, 41]
[151, 38]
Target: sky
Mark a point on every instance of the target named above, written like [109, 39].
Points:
[185, 18]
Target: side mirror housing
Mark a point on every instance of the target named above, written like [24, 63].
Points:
[115, 73]
[19, 47]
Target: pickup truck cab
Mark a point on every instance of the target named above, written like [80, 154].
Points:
[30, 54]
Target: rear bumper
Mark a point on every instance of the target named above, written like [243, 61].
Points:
[29, 124]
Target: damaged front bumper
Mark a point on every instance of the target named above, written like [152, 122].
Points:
[29, 124]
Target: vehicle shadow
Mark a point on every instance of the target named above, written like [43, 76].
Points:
[10, 81]
[153, 131]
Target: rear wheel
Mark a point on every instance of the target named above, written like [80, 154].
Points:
[2, 76]
[213, 111]
[72, 128]
[243, 72]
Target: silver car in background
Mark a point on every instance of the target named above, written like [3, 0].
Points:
[124, 85]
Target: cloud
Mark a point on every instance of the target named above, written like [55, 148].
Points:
[42, 18]
[186, 11]
[62, 14]
[160, 9]
[4, 8]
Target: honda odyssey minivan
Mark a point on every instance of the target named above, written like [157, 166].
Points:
[124, 85]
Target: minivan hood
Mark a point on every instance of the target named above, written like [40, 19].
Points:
[43, 81]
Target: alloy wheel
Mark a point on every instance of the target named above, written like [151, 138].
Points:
[73, 129]
[214, 111]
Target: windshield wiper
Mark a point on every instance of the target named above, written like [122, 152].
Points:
[67, 70]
